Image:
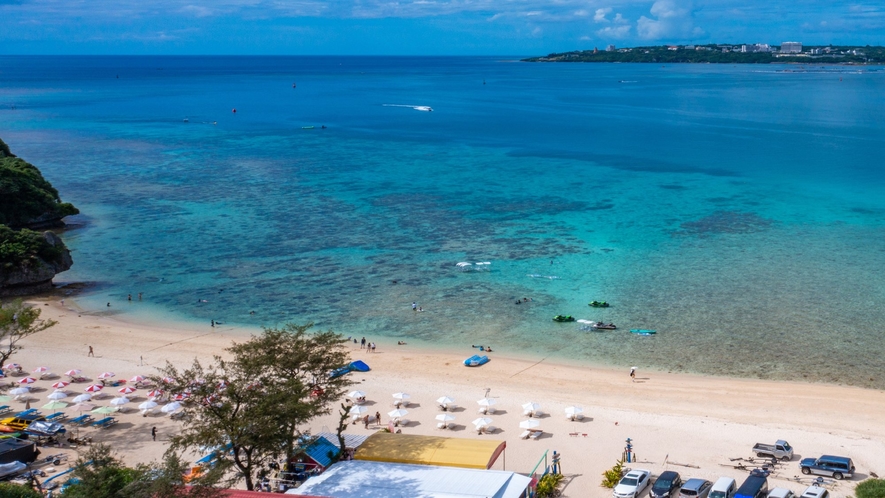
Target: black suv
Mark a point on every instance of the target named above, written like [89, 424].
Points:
[666, 484]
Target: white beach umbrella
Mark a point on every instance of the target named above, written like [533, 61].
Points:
[82, 398]
[401, 396]
[445, 400]
[529, 424]
[398, 413]
[19, 391]
[147, 405]
[57, 395]
[571, 411]
[106, 375]
[482, 422]
[120, 401]
[356, 394]
[83, 407]
[531, 406]
[445, 417]
[41, 371]
[171, 407]
[357, 410]
[486, 402]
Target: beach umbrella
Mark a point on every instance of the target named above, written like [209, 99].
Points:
[57, 395]
[83, 407]
[445, 400]
[167, 380]
[27, 380]
[531, 406]
[106, 375]
[41, 370]
[398, 413]
[137, 378]
[73, 373]
[356, 394]
[82, 398]
[119, 401]
[401, 396]
[94, 388]
[55, 405]
[154, 393]
[529, 424]
[4, 398]
[61, 384]
[171, 407]
[486, 402]
[482, 422]
[127, 390]
[181, 396]
[12, 366]
[357, 410]
[104, 410]
[18, 391]
[571, 411]
[445, 417]
[147, 405]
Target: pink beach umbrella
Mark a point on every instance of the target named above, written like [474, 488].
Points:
[181, 396]
[127, 390]
[27, 380]
[12, 367]
[106, 375]
[154, 393]
[41, 370]
[73, 373]
[61, 384]
[94, 388]
[168, 380]
[137, 378]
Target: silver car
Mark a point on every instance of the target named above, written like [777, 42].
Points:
[695, 488]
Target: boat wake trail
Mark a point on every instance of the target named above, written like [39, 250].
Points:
[425, 108]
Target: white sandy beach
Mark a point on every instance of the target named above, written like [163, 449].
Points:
[695, 423]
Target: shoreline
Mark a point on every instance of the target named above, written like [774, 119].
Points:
[701, 421]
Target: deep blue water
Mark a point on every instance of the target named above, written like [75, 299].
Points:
[738, 210]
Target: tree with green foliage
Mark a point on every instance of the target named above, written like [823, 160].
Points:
[9, 490]
[870, 488]
[25, 195]
[100, 474]
[253, 405]
[612, 476]
[17, 321]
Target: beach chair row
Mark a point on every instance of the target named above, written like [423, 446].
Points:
[5, 409]
[83, 420]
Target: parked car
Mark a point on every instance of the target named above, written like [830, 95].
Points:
[632, 484]
[666, 484]
[780, 450]
[754, 486]
[828, 465]
[781, 493]
[815, 492]
[724, 487]
[695, 488]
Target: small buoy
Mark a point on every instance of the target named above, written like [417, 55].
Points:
[234, 110]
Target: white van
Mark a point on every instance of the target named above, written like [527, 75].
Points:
[725, 487]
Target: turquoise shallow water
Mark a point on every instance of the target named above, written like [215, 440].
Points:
[739, 211]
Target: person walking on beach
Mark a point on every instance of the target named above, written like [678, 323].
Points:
[373, 347]
[154, 433]
[377, 418]
[363, 343]
[91, 353]
[632, 374]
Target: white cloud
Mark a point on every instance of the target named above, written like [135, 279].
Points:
[601, 13]
[614, 31]
[672, 20]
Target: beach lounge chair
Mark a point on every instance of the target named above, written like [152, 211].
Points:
[525, 435]
[81, 420]
[441, 425]
[56, 417]
[535, 435]
[5, 409]
[537, 414]
[489, 429]
[30, 411]
[104, 423]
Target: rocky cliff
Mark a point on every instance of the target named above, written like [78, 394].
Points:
[35, 273]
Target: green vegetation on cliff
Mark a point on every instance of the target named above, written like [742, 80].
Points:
[24, 247]
[714, 54]
[25, 196]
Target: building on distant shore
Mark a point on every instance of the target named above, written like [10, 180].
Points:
[791, 48]
[610, 48]
[756, 47]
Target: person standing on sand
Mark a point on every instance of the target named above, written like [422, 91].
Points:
[154, 433]
[632, 374]
[363, 343]
[377, 418]
[91, 353]
[373, 347]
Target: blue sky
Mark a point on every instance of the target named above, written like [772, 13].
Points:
[421, 27]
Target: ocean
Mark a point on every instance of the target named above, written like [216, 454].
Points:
[737, 210]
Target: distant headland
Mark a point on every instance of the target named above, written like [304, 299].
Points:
[758, 53]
